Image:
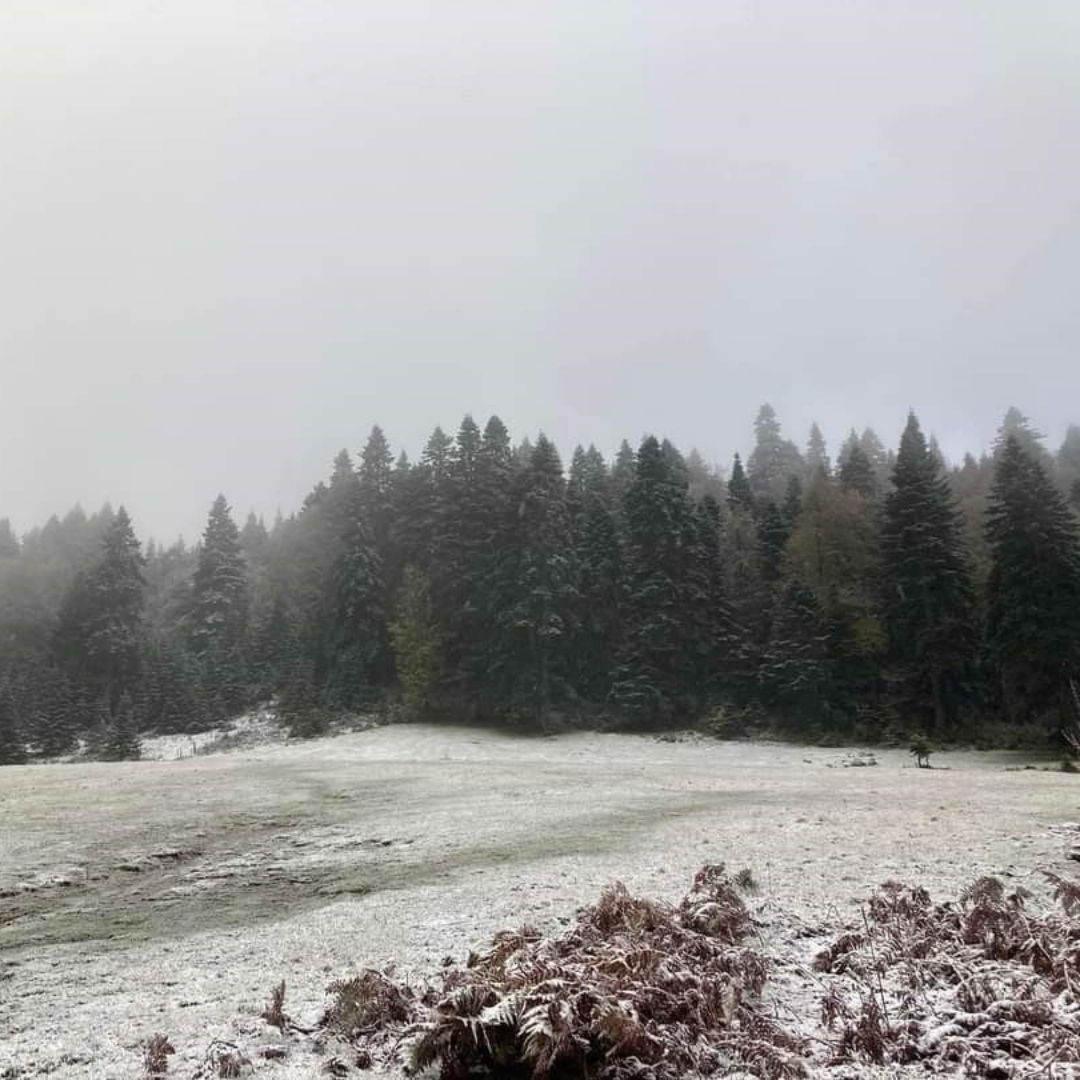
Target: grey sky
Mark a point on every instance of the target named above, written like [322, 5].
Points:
[236, 234]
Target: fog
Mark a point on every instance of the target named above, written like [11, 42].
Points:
[236, 235]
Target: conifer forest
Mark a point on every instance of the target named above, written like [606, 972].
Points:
[864, 595]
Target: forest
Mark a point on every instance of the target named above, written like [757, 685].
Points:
[870, 597]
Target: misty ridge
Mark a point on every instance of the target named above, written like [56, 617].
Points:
[875, 597]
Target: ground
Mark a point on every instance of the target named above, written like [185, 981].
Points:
[171, 895]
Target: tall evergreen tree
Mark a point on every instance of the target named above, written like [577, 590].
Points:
[417, 643]
[219, 606]
[928, 597]
[655, 678]
[740, 495]
[12, 748]
[1034, 588]
[817, 455]
[857, 473]
[774, 459]
[591, 501]
[100, 631]
[540, 621]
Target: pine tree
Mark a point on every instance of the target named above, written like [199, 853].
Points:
[361, 655]
[857, 473]
[1015, 425]
[796, 670]
[928, 597]
[100, 630]
[378, 505]
[12, 748]
[773, 531]
[598, 554]
[623, 470]
[714, 634]
[1068, 462]
[9, 542]
[774, 459]
[1034, 588]
[817, 455]
[219, 606]
[417, 643]
[254, 540]
[539, 622]
[656, 674]
[121, 742]
[739, 495]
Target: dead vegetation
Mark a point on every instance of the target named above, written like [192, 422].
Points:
[636, 989]
[980, 987]
[633, 988]
[156, 1055]
[274, 1012]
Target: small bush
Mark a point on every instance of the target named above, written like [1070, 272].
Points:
[274, 1013]
[369, 999]
[921, 750]
[746, 881]
[156, 1055]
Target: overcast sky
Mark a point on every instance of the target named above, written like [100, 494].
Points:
[234, 234]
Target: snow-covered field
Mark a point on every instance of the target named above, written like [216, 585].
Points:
[171, 895]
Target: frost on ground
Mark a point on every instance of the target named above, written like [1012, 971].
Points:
[171, 896]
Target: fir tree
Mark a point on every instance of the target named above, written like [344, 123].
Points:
[928, 598]
[739, 494]
[857, 473]
[12, 748]
[817, 455]
[9, 542]
[655, 678]
[219, 606]
[100, 630]
[598, 555]
[1034, 588]
[623, 470]
[417, 643]
[540, 620]
[774, 459]
[795, 670]
[773, 531]
[254, 540]
[360, 658]
[121, 742]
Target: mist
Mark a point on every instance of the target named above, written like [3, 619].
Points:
[236, 236]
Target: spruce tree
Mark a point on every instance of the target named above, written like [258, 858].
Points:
[417, 643]
[656, 676]
[817, 455]
[795, 671]
[1033, 594]
[121, 742]
[539, 621]
[598, 553]
[12, 748]
[740, 496]
[361, 654]
[857, 473]
[219, 606]
[928, 596]
[99, 635]
[774, 459]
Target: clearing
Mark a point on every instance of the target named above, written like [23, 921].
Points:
[171, 895]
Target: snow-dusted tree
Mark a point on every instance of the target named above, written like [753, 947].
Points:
[12, 748]
[219, 606]
[928, 596]
[1034, 588]
[774, 459]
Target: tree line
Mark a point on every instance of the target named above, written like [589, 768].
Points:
[878, 594]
